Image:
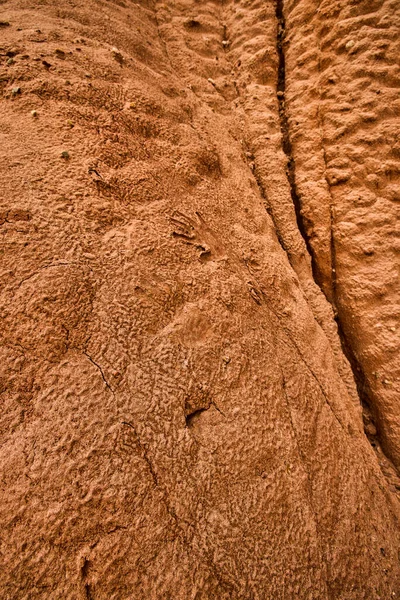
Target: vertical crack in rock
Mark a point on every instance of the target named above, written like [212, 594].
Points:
[371, 427]
[88, 593]
[284, 124]
[84, 575]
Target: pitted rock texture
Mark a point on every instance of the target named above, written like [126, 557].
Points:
[179, 420]
[343, 108]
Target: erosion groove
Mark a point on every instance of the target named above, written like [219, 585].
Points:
[283, 118]
[178, 183]
[363, 388]
[286, 143]
[291, 175]
[360, 191]
[372, 420]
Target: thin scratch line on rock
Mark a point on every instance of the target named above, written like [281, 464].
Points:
[100, 369]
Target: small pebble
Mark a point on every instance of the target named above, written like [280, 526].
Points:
[65, 155]
[15, 91]
[370, 429]
[4, 24]
[34, 113]
[10, 61]
[350, 44]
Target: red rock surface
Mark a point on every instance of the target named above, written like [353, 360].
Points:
[179, 418]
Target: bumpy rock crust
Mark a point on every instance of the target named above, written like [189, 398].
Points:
[179, 420]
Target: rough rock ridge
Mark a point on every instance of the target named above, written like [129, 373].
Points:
[197, 227]
[343, 106]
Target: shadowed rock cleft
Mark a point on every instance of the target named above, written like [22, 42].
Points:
[178, 417]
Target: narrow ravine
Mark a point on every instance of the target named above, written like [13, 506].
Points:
[286, 142]
[283, 118]
[371, 426]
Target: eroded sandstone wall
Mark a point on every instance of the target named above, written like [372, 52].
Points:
[179, 420]
[343, 109]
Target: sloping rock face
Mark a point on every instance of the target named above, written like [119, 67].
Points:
[179, 420]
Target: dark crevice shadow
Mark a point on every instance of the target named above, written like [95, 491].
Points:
[363, 389]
